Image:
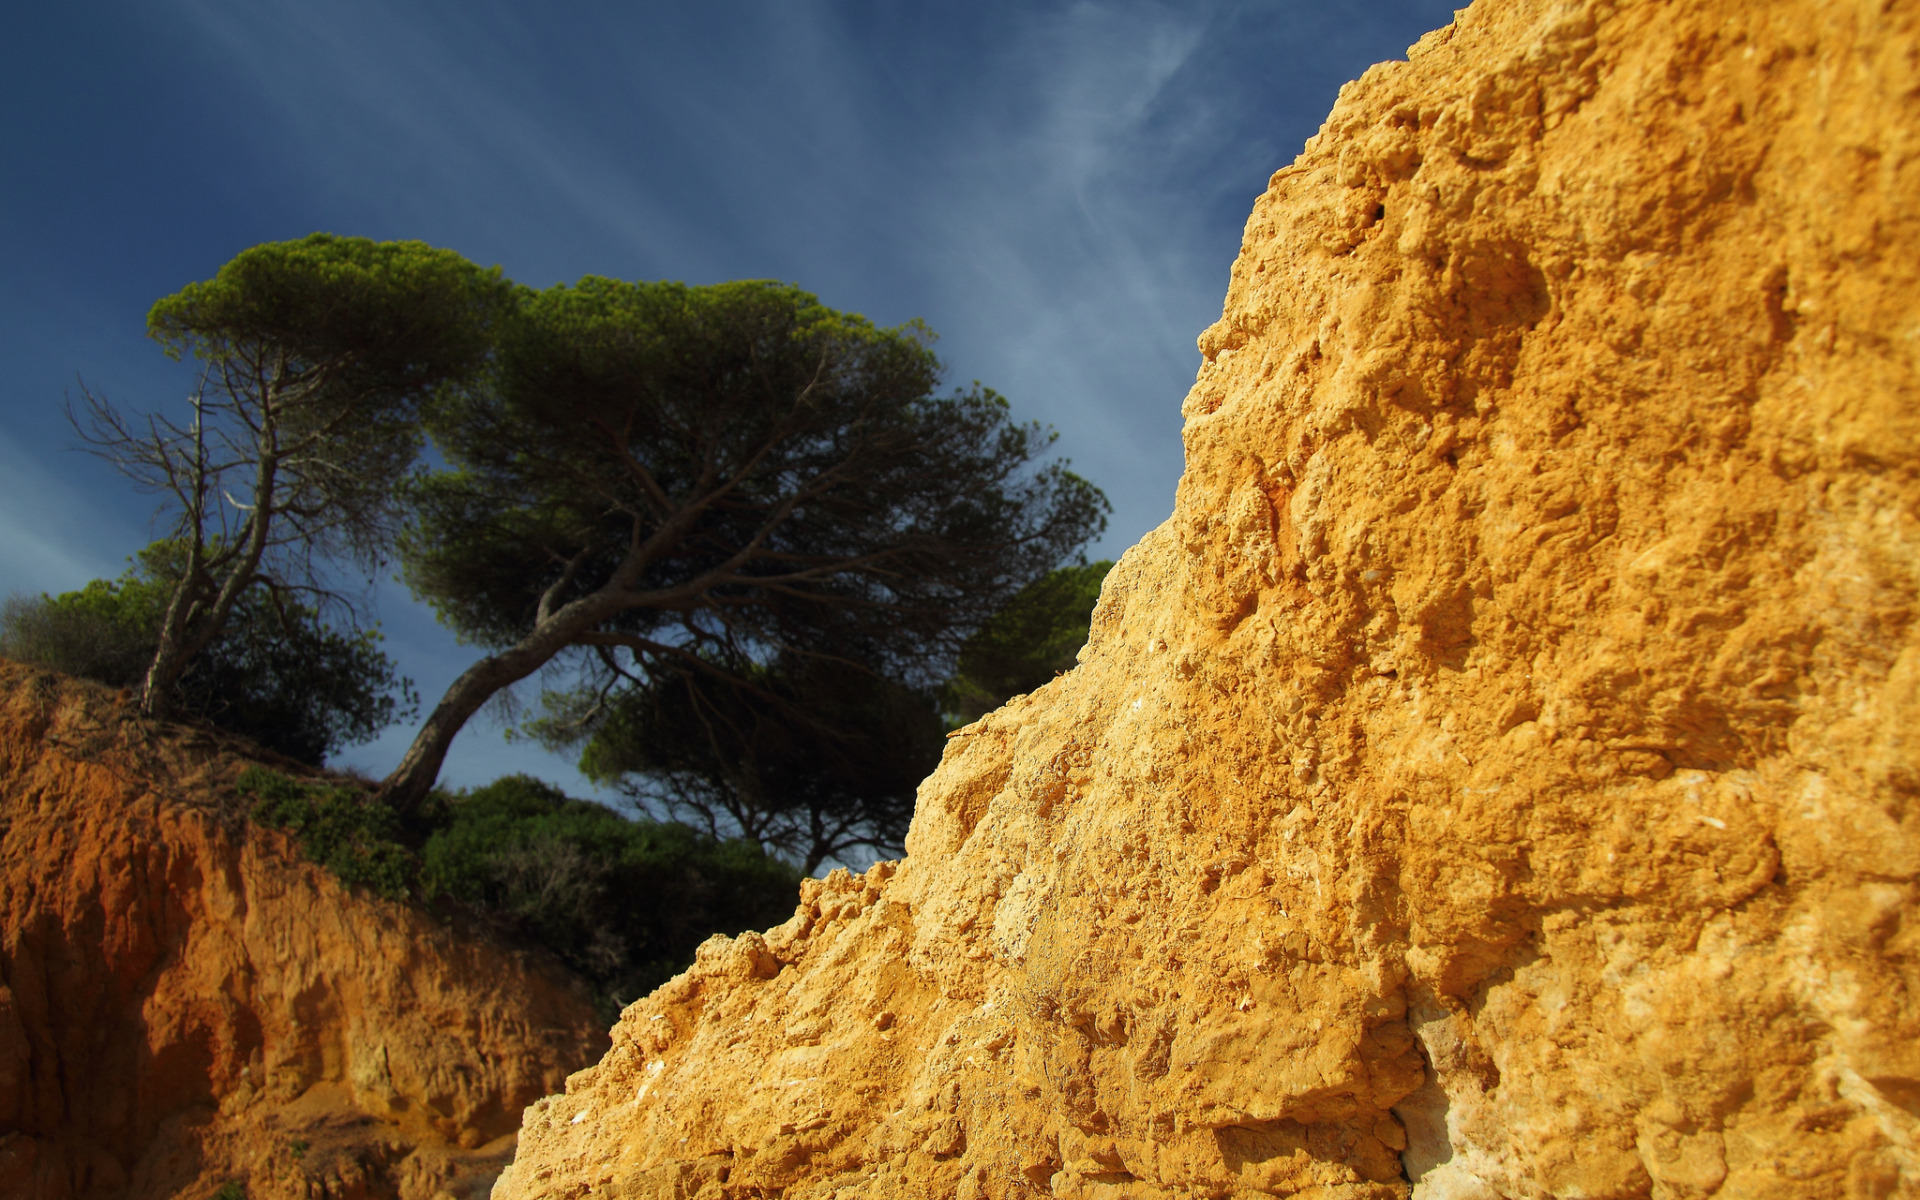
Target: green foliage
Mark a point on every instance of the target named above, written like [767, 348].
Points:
[276, 675]
[320, 353]
[624, 902]
[1037, 635]
[230, 1190]
[812, 758]
[702, 478]
[357, 840]
[398, 318]
[104, 632]
[707, 418]
[808, 757]
[317, 356]
[295, 686]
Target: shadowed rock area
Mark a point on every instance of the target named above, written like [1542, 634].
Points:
[185, 1002]
[1498, 776]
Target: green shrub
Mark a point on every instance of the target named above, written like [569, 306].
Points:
[276, 674]
[102, 632]
[623, 902]
[358, 840]
[230, 1190]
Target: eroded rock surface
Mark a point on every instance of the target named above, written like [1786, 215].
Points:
[185, 1002]
[1498, 777]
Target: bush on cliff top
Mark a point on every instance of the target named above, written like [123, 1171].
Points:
[357, 841]
[623, 902]
[277, 674]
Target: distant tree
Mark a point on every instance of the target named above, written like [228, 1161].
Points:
[276, 674]
[809, 758]
[1035, 637]
[316, 356]
[668, 479]
[814, 759]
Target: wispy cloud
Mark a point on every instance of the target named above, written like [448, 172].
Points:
[1017, 206]
[1068, 262]
[1057, 186]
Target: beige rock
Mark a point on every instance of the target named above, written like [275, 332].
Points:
[1498, 776]
[184, 1001]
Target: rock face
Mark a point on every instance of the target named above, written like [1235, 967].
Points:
[1498, 778]
[185, 1002]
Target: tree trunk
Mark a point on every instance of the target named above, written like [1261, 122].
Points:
[163, 674]
[410, 782]
[182, 638]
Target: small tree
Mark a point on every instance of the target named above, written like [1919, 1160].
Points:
[674, 478]
[276, 674]
[103, 632]
[317, 355]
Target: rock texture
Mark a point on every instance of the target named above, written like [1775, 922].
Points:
[1499, 776]
[185, 1002]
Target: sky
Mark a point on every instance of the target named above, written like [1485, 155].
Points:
[1057, 188]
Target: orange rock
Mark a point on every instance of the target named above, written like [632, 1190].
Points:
[1498, 777]
[184, 1001]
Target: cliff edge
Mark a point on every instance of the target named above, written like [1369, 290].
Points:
[185, 1002]
[1498, 778]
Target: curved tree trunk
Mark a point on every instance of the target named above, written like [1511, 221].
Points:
[410, 782]
[163, 674]
[188, 629]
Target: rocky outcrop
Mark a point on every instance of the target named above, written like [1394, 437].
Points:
[185, 1002]
[1499, 776]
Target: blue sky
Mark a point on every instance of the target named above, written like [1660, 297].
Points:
[1057, 188]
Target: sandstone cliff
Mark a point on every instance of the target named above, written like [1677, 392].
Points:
[185, 1002]
[1498, 777]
